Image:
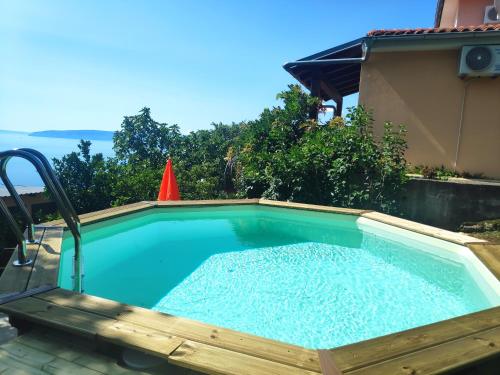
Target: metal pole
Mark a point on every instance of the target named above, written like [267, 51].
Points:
[78, 266]
[19, 202]
[62, 202]
[64, 205]
[55, 180]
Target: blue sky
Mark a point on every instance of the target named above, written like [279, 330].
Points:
[85, 64]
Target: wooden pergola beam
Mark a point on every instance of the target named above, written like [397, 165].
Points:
[318, 83]
[315, 91]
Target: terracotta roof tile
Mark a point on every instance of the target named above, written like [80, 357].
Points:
[437, 30]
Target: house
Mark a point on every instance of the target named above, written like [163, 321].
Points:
[440, 82]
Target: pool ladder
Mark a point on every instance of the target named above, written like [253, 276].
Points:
[52, 184]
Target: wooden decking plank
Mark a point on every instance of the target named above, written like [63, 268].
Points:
[28, 356]
[15, 279]
[104, 365]
[9, 297]
[106, 213]
[213, 202]
[489, 254]
[61, 366]
[449, 356]
[313, 207]
[76, 350]
[93, 325]
[328, 365]
[217, 361]
[46, 268]
[46, 313]
[140, 338]
[47, 362]
[109, 213]
[53, 341]
[384, 348]
[427, 230]
[189, 329]
[96, 216]
[10, 365]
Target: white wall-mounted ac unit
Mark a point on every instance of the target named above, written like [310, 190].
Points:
[480, 61]
[492, 13]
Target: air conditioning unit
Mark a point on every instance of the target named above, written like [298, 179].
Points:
[492, 13]
[480, 61]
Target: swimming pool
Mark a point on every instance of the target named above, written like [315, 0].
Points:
[313, 279]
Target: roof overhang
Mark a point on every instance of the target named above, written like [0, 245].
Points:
[335, 72]
[337, 69]
[431, 41]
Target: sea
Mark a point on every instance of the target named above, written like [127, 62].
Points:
[22, 173]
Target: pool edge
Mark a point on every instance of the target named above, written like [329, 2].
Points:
[390, 348]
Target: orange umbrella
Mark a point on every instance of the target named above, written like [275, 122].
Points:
[169, 191]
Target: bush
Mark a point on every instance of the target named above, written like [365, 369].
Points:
[339, 163]
[281, 155]
[441, 173]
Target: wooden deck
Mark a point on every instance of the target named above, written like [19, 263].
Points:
[45, 268]
[43, 351]
[181, 341]
[436, 348]
[460, 343]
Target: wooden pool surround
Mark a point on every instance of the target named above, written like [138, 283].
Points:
[31, 294]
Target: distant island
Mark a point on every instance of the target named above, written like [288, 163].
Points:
[12, 131]
[91, 135]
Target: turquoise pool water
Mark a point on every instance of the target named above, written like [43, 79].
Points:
[313, 279]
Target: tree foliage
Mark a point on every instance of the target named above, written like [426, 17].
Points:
[86, 178]
[281, 155]
[340, 163]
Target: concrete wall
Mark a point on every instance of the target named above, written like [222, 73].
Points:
[449, 204]
[421, 89]
[463, 12]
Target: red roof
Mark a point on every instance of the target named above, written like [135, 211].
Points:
[437, 30]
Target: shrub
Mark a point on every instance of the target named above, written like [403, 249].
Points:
[281, 155]
[340, 163]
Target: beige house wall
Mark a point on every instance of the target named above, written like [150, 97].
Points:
[421, 89]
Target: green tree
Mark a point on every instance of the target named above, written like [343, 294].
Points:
[201, 162]
[286, 156]
[144, 141]
[283, 155]
[86, 179]
[142, 146]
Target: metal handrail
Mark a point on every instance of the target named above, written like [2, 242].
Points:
[42, 165]
[22, 258]
[19, 202]
[55, 180]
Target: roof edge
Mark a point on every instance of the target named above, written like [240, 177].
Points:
[460, 30]
[329, 51]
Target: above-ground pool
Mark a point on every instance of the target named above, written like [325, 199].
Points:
[315, 279]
